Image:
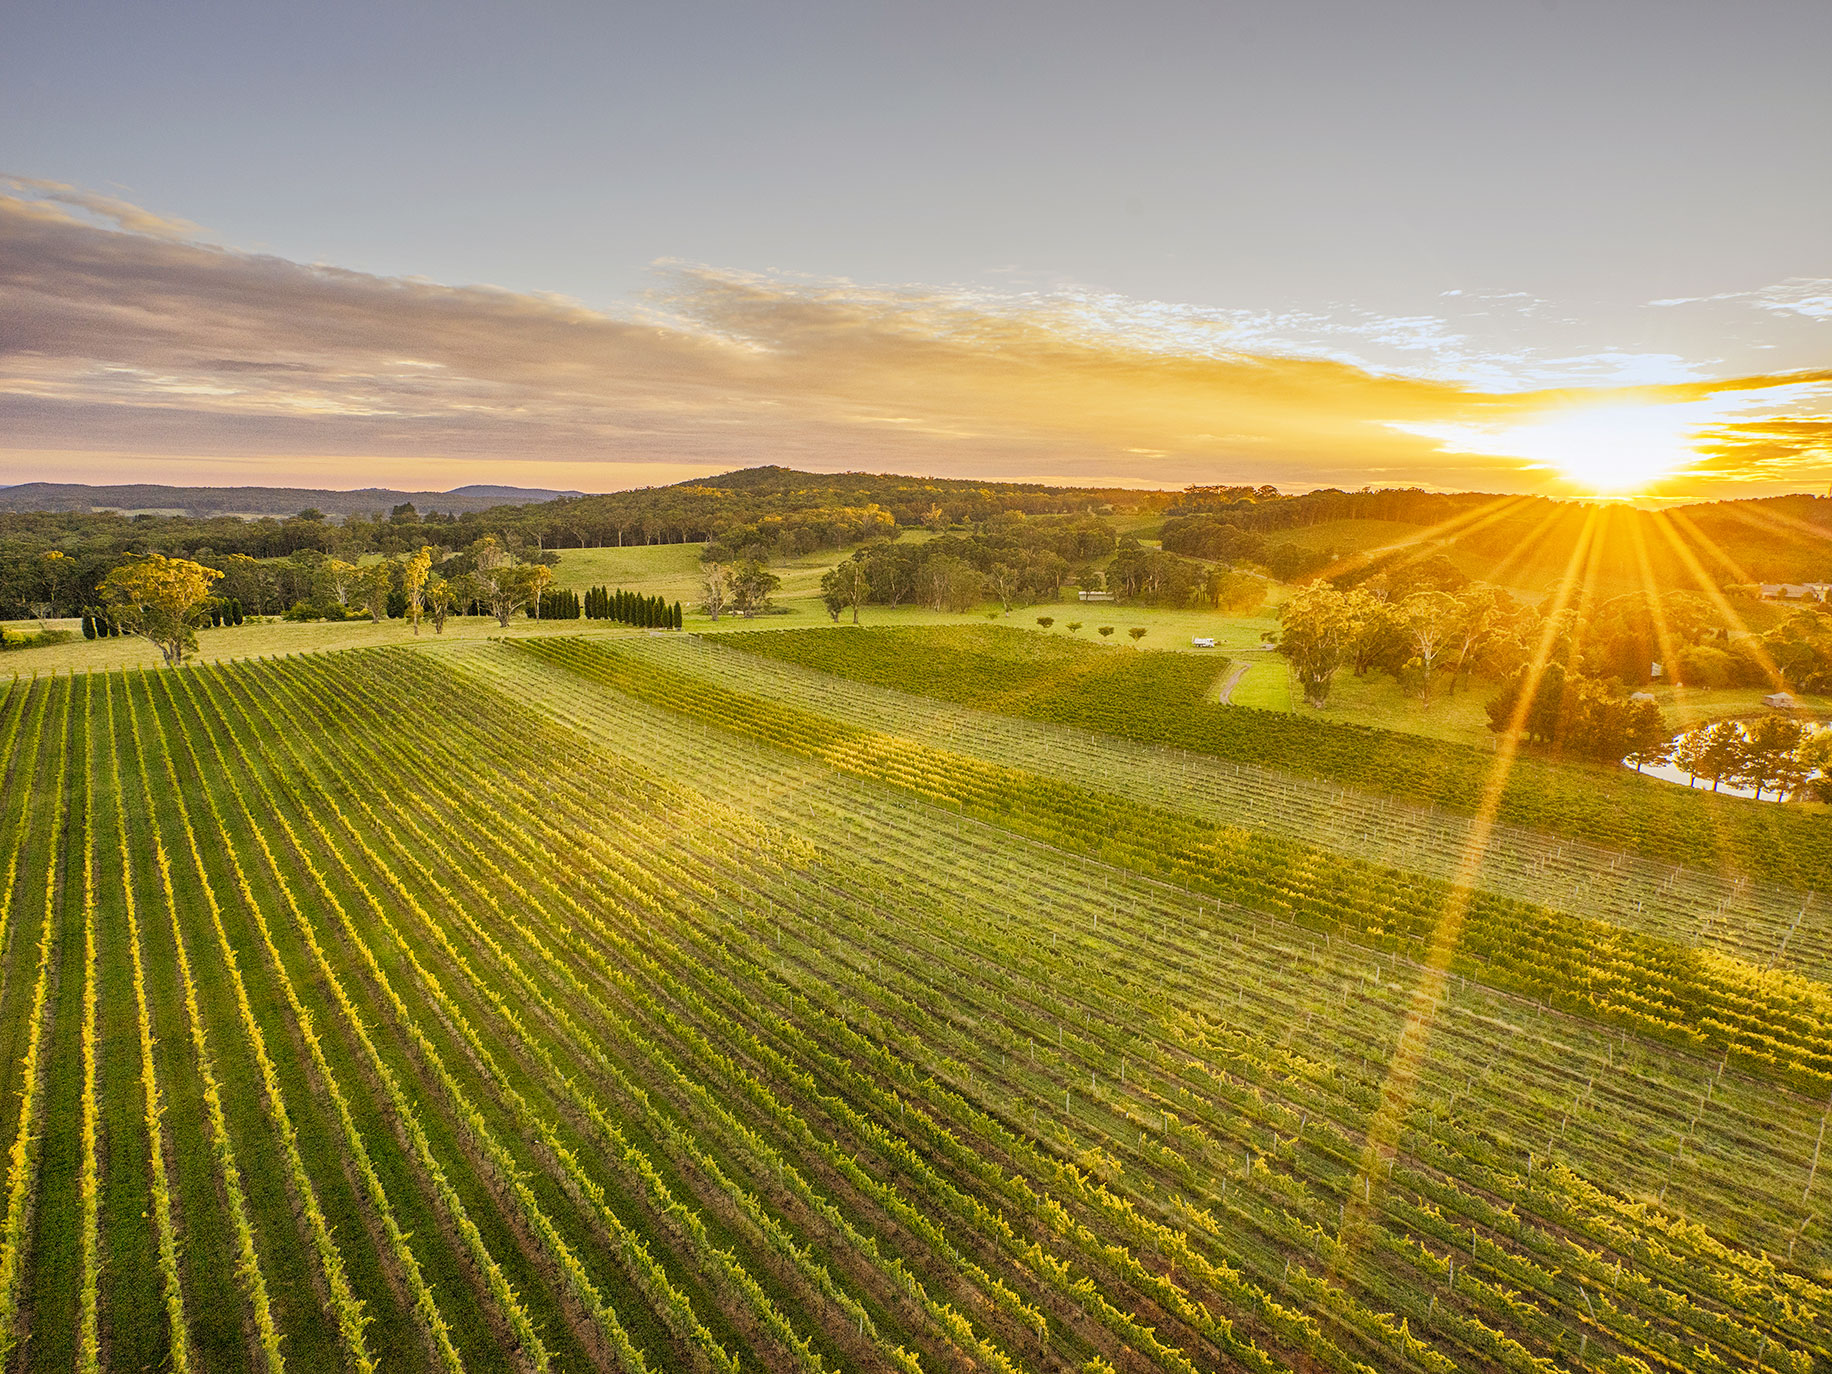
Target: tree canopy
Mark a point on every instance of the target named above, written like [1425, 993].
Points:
[162, 600]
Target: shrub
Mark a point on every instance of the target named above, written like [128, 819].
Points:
[1700, 665]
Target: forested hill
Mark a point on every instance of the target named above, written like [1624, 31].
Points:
[1526, 544]
[1534, 538]
[708, 507]
[257, 501]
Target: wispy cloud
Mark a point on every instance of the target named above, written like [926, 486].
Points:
[125, 335]
[60, 198]
[1807, 296]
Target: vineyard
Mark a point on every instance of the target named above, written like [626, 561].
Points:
[1159, 699]
[629, 1003]
[1761, 922]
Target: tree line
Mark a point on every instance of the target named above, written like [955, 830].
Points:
[627, 608]
[167, 600]
[1017, 560]
[1565, 677]
[1765, 539]
[52, 562]
[1429, 630]
[1775, 754]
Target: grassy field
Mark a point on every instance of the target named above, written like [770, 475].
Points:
[1169, 699]
[670, 570]
[261, 639]
[1756, 922]
[554, 1004]
[1378, 700]
[673, 571]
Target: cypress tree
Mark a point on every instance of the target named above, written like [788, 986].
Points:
[677, 615]
[88, 626]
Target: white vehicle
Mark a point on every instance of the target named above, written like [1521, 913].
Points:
[1201, 643]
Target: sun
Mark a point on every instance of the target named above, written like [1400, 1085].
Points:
[1606, 448]
[1609, 450]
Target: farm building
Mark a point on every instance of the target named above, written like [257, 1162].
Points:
[1795, 591]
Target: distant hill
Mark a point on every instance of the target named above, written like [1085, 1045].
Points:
[258, 501]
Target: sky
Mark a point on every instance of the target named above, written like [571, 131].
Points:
[1562, 247]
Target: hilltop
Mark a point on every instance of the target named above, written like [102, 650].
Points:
[199, 502]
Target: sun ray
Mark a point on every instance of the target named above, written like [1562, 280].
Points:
[1607, 520]
[1775, 522]
[1663, 631]
[1407, 1062]
[1664, 521]
[1528, 545]
[1700, 539]
[1669, 653]
[1418, 545]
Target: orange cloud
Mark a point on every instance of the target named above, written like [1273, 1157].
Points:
[135, 343]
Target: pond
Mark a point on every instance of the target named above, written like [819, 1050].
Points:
[1668, 772]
